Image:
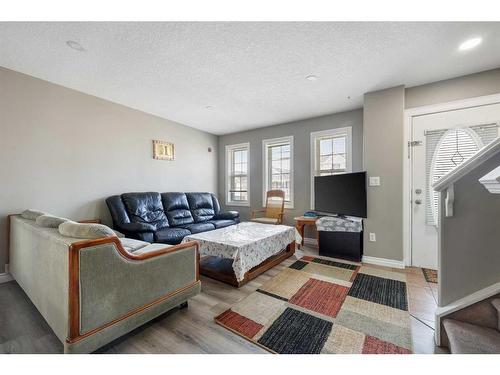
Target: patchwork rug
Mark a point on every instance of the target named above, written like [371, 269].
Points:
[323, 306]
[431, 276]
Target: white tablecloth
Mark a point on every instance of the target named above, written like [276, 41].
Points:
[247, 243]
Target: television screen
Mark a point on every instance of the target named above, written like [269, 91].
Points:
[341, 194]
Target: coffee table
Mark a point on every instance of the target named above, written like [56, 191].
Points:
[239, 253]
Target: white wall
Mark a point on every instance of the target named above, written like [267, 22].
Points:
[64, 152]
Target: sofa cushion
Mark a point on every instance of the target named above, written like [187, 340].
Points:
[49, 221]
[222, 223]
[172, 236]
[130, 245]
[151, 247]
[145, 208]
[201, 206]
[85, 230]
[176, 208]
[215, 203]
[199, 227]
[31, 214]
[228, 215]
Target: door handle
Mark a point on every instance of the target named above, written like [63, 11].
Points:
[418, 201]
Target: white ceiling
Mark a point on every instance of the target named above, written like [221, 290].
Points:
[253, 74]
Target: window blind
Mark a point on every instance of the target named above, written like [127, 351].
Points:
[441, 161]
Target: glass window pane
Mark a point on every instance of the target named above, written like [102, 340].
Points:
[237, 157]
[286, 152]
[339, 162]
[243, 183]
[285, 166]
[276, 166]
[235, 183]
[339, 145]
[325, 162]
[275, 152]
[325, 146]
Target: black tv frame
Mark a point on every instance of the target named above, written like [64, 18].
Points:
[361, 213]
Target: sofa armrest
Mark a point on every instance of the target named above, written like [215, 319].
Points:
[136, 227]
[228, 215]
[137, 282]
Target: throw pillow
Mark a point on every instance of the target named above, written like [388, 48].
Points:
[49, 221]
[31, 214]
[85, 230]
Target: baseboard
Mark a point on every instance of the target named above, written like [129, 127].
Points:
[310, 241]
[383, 262]
[462, 303]
[4, 277]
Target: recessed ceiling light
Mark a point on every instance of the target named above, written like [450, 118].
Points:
[209, 107]
[470, 43]
[312, 77]
[75, 45]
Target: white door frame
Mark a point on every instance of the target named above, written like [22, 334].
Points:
[409, 114]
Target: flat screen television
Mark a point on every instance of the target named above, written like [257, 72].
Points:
[341, 194]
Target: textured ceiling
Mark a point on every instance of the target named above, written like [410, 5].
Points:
[252, 74]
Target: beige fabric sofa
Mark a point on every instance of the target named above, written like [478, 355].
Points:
[91, 292]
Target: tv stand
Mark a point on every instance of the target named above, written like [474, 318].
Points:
[342, 244]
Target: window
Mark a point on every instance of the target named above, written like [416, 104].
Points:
[277, 155]
[237, 174]
[330, 154]
[445, 150]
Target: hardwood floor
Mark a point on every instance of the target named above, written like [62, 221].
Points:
[191, 330]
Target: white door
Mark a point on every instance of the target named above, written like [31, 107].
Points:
[441, 141]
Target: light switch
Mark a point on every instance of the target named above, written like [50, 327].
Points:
[374, 181]
[373, 237]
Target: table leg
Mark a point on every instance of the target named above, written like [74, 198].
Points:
[300, 228]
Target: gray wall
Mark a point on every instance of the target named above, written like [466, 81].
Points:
[470, 86]
[64, 152]
[383, 154]
[301, 131]
[383, 157]
[470, 252]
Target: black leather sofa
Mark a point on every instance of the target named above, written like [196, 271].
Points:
[167, 217]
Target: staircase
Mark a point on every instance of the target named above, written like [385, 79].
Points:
[474, 330]
[467, 318]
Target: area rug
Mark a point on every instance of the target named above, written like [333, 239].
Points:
[322, 306]
[431, 276]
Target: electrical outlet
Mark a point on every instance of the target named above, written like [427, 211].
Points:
[373, 237]
[374, 181]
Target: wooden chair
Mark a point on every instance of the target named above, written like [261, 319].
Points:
[275, 206]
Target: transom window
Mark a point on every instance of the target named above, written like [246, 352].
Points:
[278, 167]
[330, 154]
[237, 175]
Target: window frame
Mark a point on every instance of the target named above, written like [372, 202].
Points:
[228, 173]
[266, 143]
[335, 132]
